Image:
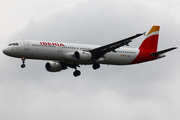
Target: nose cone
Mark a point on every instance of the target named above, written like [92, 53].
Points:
[6, 51]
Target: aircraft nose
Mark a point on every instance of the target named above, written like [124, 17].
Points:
[6, 51]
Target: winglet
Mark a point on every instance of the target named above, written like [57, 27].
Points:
[144, 33]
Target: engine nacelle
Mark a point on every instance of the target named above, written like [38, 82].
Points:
[82, 55]
[54, 66]
[69, 56]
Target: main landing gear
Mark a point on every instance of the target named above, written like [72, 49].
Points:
[76, 72]
[23, 61]
[96, 66]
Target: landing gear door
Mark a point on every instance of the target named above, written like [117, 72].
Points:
[26, 45]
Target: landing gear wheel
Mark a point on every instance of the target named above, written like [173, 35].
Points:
[96, 66]
[23, 66]
[76, 73]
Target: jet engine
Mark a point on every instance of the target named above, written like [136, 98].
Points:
[69, 56]
[82, 55]
[54, 66]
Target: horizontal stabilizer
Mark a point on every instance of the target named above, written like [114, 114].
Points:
[163, 51]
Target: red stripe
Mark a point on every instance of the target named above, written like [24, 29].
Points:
[150, 43]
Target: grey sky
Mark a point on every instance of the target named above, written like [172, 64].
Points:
[144, 91]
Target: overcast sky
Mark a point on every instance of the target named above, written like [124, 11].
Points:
[138, 92]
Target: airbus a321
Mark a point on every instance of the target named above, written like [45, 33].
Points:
[67, 55]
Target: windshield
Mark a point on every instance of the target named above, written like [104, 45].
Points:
[13, 44]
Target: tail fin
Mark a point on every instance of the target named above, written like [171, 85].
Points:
[151, 41]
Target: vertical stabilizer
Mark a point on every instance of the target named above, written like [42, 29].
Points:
[151, 42]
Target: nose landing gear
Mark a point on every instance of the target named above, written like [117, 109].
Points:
[23, 61]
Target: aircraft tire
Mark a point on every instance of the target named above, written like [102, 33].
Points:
[77, 73]
[96, 66]
[23, 66]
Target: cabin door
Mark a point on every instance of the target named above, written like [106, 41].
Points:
[26, 45]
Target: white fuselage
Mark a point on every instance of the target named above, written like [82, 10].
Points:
[64, 52]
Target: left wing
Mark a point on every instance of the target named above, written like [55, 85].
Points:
[101, 51]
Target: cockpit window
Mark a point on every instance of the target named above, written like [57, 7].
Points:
[13, 44]
[10, 44]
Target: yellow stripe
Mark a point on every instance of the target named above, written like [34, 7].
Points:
[153, 29]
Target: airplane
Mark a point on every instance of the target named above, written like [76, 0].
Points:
[69, 55]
